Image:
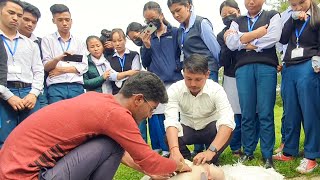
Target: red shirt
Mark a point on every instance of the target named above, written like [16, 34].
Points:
[50, 133]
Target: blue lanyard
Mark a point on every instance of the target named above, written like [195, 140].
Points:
[250, 28]
[298, 34]
[183, 36]
[122, 61]
[15, 45]
[69, 41]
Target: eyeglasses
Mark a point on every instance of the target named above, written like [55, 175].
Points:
[152, 109]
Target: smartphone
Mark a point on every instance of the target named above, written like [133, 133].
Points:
[73, 58]
[149, 29]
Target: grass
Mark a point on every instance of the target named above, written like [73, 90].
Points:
[285, 168]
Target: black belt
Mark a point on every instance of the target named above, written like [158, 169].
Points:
[18, 84]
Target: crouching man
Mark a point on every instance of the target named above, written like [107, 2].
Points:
[206, 116]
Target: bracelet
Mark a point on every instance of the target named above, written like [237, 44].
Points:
[174, 147]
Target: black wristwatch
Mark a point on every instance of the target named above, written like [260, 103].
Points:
[213, 149]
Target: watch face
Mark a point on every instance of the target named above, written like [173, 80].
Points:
[213, 149]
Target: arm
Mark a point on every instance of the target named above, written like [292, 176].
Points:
[272, 37]
[225, 53]
[92, 83]
[81, 67]
[287, 31]
[208, 37]
[232, 37]
[48, 61]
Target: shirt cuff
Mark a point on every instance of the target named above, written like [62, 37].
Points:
[113, 76]
[35, 92]
[172, 123]
[241, 46]
[6, 94]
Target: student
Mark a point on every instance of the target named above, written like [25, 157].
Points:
[3, 69]
[253, 37]
[133, 33]
[65, 78]
[160, 55]
[301, 84]
[107, 43]
[28, 23]
[229, 11]
[25, 71]
[100, 74]
[205, 114]
[123, 60]
[89, 144]
[195, 34]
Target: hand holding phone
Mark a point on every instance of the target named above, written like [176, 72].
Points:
[151, 28]
[73, 58]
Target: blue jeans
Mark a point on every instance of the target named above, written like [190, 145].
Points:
[235, 143]
[143, 130]
[62, 91]
[157, 132]
[256, 85]
[42, 98]
[11, 118]
[301, 92]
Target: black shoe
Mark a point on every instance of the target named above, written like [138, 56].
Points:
[268, 163]
[245, 158]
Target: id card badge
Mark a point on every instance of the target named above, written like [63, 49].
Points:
[14, 69]
[181, 57]
[297, 52]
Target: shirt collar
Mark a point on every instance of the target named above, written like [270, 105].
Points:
[18, 35]
[192, 20]
[59, 37]
[256, 15]
[102, 58]
[125, 52]
[33, 37]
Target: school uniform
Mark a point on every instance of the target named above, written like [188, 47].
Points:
[67, 85]
[256, 77]
[129, 61]
[25, 76]
[301, 87]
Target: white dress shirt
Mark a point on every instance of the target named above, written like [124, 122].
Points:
[53, 46]
[211, 104]
[25, 65]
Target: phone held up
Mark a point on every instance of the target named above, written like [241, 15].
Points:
[149, 29]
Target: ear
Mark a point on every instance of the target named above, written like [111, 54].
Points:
[207, 74]
[138, 99]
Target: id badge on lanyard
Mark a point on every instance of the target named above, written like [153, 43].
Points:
[298, 51]
[182, 42]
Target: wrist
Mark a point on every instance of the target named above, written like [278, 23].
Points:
[174, 148]
[180, 166]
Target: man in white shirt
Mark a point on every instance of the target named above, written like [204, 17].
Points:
[206, 116]
[27, 25]
[25, 71]
[65, 77]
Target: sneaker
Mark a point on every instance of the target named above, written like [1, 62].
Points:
[237, 153]
[306, 166]
[279, 149]
[165, 154]
[280, 157]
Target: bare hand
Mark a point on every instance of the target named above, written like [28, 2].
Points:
[16, 103]
[203, 157]
[261, 31]
[303, 16]
[131, 72]
[227, 33]
[159, 177]
[106, 75]
[108, 45]
[178, 158]
[146, 40]
[29, 101]
[279, 68]
[55, 72]
[250, 47]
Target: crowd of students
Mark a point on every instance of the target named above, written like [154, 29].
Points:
[37, 72]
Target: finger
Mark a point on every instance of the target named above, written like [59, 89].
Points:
[204, 160]
[15, 107]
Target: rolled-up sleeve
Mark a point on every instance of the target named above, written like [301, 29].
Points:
[172, 110]
[224, 112]
[233, 40]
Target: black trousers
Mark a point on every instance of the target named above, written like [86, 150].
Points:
[203, 136]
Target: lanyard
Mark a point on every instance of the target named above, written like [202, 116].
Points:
[15, 45]
[122, 61]
[183, 36]
[298, 34]
[69, 41]
[255, 19]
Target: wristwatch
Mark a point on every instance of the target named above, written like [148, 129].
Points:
[213, 149]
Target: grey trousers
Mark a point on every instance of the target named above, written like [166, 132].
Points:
[203, 136]
[99, 158]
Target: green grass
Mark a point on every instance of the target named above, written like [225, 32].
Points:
[285, 168]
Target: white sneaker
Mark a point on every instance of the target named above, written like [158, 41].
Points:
[165, 153]
[306, 166]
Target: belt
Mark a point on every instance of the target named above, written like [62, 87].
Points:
[18, 84]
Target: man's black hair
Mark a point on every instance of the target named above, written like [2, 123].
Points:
[59, 8]
[27, 7]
